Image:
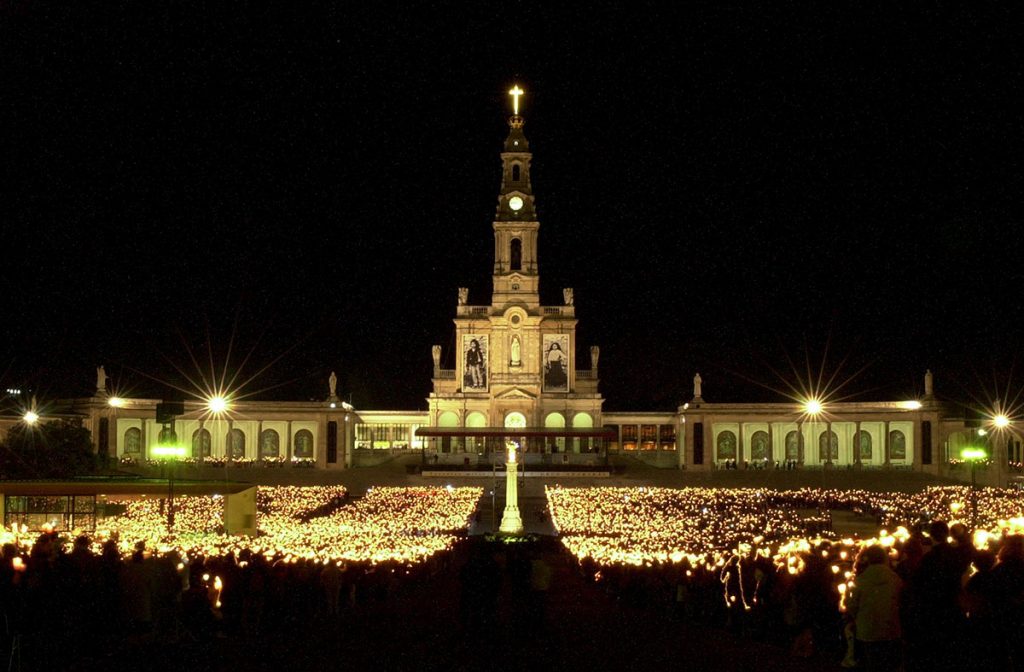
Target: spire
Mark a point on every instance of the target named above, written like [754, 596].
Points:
[515, 200]
[515, 220]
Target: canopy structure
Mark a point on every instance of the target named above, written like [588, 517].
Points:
[538, 445]
[521, 432]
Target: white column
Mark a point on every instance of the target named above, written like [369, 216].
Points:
[511, 522]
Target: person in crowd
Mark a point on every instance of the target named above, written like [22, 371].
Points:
[1008, 594]
[934, 622]
[873, 607]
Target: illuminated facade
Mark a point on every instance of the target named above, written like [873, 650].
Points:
[515, 363]
[516, 370]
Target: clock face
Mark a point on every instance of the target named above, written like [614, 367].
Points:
[515, 203]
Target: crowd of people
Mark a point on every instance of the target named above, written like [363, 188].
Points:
[58, 603]
[319, 554]
[323, 523]
[930, 596]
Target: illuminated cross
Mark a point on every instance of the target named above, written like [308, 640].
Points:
[515, 92]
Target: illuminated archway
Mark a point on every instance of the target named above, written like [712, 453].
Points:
[725, 446]
[303, 444]
[236, 444]
[555, 420]
[585, 421]
[447, 419]
[201, 443]
[515, 420]
[476, 419]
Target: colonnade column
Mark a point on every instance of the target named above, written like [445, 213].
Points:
[259, 439]
[771, 446]
[348, 441]
[800, 443]
[885, 443]
[228, 453]
[680, 444]
[288, 444]
[739, 447]
[856, 446]
[828, 443]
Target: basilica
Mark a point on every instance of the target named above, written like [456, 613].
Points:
[518, 377]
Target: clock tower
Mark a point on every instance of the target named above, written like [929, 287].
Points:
[515, 359]
[515, 223]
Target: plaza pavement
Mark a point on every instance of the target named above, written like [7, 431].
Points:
[627, 472]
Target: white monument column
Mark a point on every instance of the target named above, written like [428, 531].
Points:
[511, 522]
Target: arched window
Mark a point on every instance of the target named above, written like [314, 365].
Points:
[516, 255]
[270, 444]
[897, 445]
[793, 446]
[863, 445]
[515, 420]
[759, 446]
[726, 446]
[515, 172]
[828, 446]
[303, 444]
[236, 444]
[133, 441]
[556, 444]
[201, 443]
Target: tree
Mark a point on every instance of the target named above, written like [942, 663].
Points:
[56, 449]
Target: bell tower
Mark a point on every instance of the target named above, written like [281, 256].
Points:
[516, 277]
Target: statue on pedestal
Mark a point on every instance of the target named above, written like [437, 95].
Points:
[463, 295]
[567, 296]
[332, 384]
[595, 354]
[101, 380]
[511, 521]
[696, 386]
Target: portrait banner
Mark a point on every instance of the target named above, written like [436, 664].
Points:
[555, 354]
[474, 361]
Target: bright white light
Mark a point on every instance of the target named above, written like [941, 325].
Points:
[168, 451]
[333, 405]
[813, 407]
[912, 405]
[515, 92]
[1001, 421]
[217, 404]
[982, 432]
[116, 402]
[31, 417]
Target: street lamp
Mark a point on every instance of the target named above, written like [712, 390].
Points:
[217, 404]
[974, 455]
[813, 407]
[170, 451]
[30, 417]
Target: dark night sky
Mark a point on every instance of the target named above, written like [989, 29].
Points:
[726, 190]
